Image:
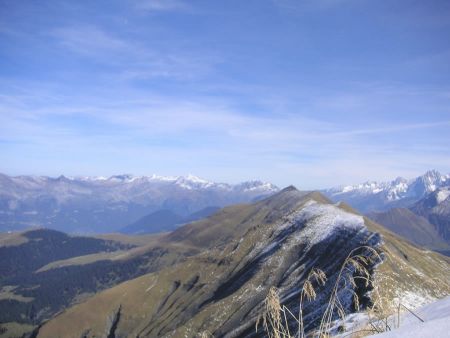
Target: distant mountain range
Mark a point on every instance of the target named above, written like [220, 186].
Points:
[99, 204]
[151, 204]
[381, 196]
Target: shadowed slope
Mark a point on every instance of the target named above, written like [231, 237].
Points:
[412, 227]
[436, 209]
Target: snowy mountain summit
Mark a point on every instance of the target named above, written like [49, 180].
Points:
[375, 196]
[188, 182]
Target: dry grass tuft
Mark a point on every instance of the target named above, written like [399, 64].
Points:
[308, 291]
[355, 263]
[274, 316]
[356, 268]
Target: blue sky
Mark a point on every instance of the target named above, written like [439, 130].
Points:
[313, 93]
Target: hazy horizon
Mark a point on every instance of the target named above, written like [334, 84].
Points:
[226, 182]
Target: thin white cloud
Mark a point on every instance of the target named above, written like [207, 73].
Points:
[88, 40]
[309, 5]
[392, 129]
[211, 136]
[161, 5]
[131, 59]
[158, 114]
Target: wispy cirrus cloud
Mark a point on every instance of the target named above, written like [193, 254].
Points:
[161, 5]
[133, 59]
[88, 40]
[309, 5]
[211, 131]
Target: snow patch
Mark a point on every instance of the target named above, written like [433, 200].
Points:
[436, 323]
[316, 223]
[413, 300]
[155, 177]
[442, 195]
[323, 220]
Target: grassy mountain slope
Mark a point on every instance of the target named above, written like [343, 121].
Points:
[413, 227]
[248, 249]
[12, 239]
[43, 246]
[52, 270]
[409, 273]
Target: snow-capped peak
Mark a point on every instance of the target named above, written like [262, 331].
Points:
[257, 186]
[91, 178]
[193, 182]
[432, 175]
[196, 179]
[432, 180]
[155, 177]
[396, 189]
[369, 187]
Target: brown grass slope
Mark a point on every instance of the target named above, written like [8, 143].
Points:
[12, 239]
[410, 273]
[413, 227]
[250, 248]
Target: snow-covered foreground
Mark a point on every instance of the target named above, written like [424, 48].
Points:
[436, 323]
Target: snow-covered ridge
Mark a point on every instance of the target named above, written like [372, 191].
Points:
[324, 221]
[313, 223]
